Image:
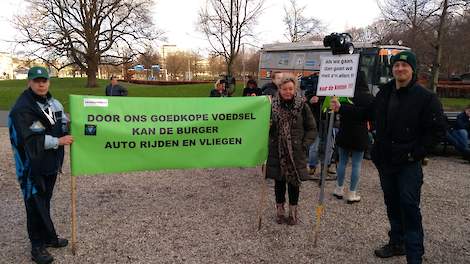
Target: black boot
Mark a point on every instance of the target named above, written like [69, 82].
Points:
[390, 250]
[60, 242]
[41, 256]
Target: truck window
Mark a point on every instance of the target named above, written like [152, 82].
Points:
[367, 65]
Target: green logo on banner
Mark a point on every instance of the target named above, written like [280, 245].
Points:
[137, 133]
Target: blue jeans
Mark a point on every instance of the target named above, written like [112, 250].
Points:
[356, 167]
[459, 138]
[402, 195]
[313, 153]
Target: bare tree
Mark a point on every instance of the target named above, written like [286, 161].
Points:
[412, 16]
[448, 7]
[298, 26]
[148, 58]
[88, 32]
[252, 63]
[456, 58]
[382, 31]
[227, 24]
[216, 65]
[423, 23]
[177, 64]
[195, 59]
[362, 34]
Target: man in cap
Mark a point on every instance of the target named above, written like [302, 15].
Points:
[409, 122]
[38, 132]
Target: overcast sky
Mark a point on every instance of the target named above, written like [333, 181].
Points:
[178, 19]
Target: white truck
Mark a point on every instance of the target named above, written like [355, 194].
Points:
[302, 59]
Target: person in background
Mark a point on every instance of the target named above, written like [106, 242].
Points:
[38, 130]
[314, 103]
[219, 89]
[272, 87]
[458, 135]
[252, 89]
[292, 131]
[352, 139]
[115, 89]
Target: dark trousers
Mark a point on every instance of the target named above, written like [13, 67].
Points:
[402, 193]
[280, 192]
[40, 226]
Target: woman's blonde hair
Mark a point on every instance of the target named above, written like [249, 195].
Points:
[219, 81]
[287, 78]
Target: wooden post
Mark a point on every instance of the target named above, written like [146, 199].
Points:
[262, 196]
[74, 214]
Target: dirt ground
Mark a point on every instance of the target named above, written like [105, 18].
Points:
[209, 216]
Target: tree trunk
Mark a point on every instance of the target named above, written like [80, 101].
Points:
[230, 67]
[91, 73]
[437, 58]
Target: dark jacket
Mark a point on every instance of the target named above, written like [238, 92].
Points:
[353, 132]
[116, 90]
[462, 122]
[409, 122]
[269, 89]
[28, 126]
[248, 91]
[215, 93]
[315, 108]
[303, 133]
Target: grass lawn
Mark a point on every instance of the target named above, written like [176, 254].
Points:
[61, 88]
[455, 104]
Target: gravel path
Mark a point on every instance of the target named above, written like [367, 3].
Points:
[209, 216]
[3, 118]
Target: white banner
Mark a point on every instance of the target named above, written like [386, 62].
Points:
[338, 75]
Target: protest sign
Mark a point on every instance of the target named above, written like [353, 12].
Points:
[122, 134]
[338, 75]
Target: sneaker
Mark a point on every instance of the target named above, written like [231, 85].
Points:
[390, 250]
[41, 256]
[353, 197]
[60, 242]
[338, 192]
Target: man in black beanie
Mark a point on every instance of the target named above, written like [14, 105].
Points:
[409, 122]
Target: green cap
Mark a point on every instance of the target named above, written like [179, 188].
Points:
[38, 72]
[406, 56]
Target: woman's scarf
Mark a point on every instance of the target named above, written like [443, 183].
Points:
[286, 112]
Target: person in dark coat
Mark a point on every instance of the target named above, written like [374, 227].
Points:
[314, 102]
[219, 89]
[458, 135]
[38, 132]
[292, 131]
[409, 122]
[271, 88]
[352, 139]
[252, 89]
[115, 89]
